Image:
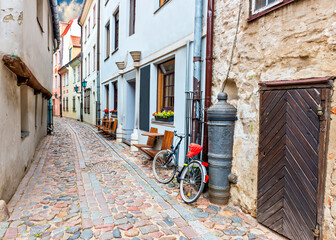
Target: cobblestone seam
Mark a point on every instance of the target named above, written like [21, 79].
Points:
[155, 190]
[91, 188]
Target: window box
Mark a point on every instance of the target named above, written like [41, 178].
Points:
[162, 119]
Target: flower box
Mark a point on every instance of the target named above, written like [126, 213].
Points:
[162, 119]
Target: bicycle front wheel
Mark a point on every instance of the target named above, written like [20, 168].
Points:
[192, 185]
[164, 167]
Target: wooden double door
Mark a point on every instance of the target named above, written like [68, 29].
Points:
[291, 159]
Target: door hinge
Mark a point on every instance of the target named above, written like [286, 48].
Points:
[319, 111]
[316, 231]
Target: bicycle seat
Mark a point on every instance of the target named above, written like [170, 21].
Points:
[179, 135]
[194, 150]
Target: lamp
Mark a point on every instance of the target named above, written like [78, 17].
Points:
[84, 84]
[55, 95]
[76, 89]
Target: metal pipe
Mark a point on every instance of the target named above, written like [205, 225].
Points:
[208, 74]
[81, 86]
[186, 126]
[98, 63]
[197, 131]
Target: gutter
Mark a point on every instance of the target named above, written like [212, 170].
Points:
[98, 62]
[208, 74]
[55, 21]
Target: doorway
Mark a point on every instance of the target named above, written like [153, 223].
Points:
[292, 158]
[129, 125]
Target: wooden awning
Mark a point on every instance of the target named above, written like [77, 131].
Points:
[24, 75]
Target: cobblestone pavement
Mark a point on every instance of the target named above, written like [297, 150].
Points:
[82, 185]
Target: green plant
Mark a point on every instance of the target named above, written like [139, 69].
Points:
[163, 114]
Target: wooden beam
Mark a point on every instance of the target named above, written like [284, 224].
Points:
[24, 75]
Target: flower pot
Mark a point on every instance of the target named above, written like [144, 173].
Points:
[161, 119]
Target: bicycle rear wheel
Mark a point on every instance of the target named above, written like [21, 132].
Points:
[192, 185]
[164, 167]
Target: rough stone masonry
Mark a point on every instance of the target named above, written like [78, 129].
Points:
[293, 42]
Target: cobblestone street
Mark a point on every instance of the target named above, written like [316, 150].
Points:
[83, 185]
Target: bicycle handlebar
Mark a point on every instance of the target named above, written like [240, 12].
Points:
[178, 135]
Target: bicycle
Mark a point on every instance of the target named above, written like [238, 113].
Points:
[192, 176]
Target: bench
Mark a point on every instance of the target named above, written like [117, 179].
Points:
[112, 131]
[150, 141]
[107, 125]
[104, 119]
[167, 141]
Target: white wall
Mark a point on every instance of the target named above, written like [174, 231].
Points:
[26, 40]
[87, 48]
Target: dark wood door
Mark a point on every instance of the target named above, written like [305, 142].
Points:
[288, 167]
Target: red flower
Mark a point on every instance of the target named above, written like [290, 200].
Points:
[106, 110]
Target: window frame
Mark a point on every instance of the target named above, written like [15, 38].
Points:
[272, 7]
[161, 86]
[132, 17]
[115, 95]
[116, 29]
[73, 103]
[89, 70]
[107, 39]
[39, 13]
[89, 23]
[94, 58]
[94, 15]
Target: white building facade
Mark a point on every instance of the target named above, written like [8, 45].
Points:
[88, 21]
[158, 82]
[29, 34]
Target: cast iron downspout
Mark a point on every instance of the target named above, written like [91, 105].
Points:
[98, 63]
[196, 126]
[208, 74]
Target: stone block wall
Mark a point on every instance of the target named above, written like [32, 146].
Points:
[293, 42]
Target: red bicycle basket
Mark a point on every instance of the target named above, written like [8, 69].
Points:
[194, 150]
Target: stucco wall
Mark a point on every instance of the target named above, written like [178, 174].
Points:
[293, 42]
[21, 35]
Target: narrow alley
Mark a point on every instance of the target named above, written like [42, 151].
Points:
[82, 185]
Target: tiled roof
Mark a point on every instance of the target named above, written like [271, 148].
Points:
[68, 27]
[75, 41]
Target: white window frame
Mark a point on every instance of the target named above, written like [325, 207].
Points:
[254, 11]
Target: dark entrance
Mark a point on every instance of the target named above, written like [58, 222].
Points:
[293, 120]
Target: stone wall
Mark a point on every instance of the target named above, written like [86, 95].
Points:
[293, 42]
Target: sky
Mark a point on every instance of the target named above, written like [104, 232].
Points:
[68, 9]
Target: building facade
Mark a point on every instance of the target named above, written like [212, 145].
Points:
[90, 73]
[284, 146]
[30, 35]
[154, 60]
[57, 59]
[70, 68]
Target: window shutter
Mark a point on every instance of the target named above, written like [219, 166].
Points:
[144, 114]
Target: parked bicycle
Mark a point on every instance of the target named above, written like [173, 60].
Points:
[192, 176]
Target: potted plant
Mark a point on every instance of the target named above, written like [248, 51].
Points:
[106, 111]
[113, 112]
[164, 116]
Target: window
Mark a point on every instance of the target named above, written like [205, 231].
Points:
[132, 18]
[261, 5]
[116, 29]
[89, 21]
[67, 78]
[73, 104]
[39, 13]
[85, 67]
[115, 95]
[55, 83]
[166, 86]
[24, 111]
[74, 75]
[70, 54]
[85, 33]
[94, 16]
[94, 58]
[63, 104]
[89, 69]
[67, 104]
[87, 101]
[107, 30]
[78, 73]
[107, 91]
